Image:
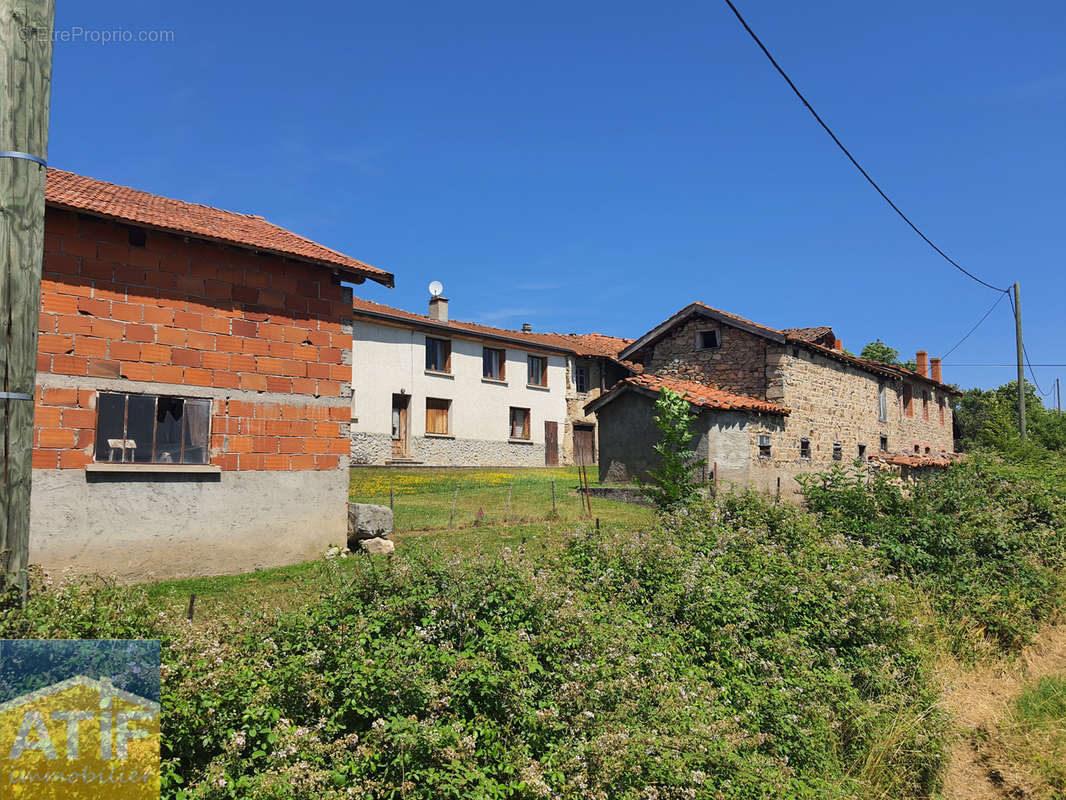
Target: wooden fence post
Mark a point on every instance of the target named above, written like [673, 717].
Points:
[25, 83]
[455, 500]
[553, 497]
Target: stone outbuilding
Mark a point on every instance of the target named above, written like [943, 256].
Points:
[799, 402]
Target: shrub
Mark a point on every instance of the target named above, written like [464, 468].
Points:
[673, 482]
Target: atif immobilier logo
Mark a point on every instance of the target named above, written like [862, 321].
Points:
[79, 719]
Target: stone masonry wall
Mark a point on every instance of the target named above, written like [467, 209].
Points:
[738, 365]
[433, 451]
[830, 402]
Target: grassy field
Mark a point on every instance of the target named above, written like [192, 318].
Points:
[423, 499]
[422, 503]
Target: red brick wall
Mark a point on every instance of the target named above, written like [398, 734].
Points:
[193, 314]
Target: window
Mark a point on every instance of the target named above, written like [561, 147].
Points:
[884, 444]
[764, 445]
[710, 339]
[927, 451]
[519, 423]
[805, 449]
[940, 404]
[862, 452]
[882, 403]
[581, 379]
[492, 363]
[908, 400]
[438, 355]
[538, 371]
[917, 449]
[838, 451]
[149, 429]
[925, 405]
[437, 412]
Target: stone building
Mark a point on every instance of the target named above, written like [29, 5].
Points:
[440, 392]
[193, 387]
[824, 405]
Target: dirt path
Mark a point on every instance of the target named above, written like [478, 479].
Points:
[982, 765]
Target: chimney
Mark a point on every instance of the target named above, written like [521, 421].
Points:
[527, 328]
[923, 363]
[838, 344]
[438, 308]
[937, 375]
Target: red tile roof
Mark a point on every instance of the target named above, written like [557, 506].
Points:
[697, 394]
[90, 196]
[796, 336]
[919, 459]
[587, 344]
[808, 334]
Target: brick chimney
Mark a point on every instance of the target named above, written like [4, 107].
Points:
[923, 363]
[438, 308]
[527, 328]
[936, 373]
[838, 344]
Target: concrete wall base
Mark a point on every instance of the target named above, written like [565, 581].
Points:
[141, 527]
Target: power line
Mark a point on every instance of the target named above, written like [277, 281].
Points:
[851, 158]
[975, 327]
[1025, 356]
[953, 364]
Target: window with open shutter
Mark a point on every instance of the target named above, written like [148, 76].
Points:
[538, 371]
[519, 423]
[438, 355]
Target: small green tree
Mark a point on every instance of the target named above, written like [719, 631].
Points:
[673, 483]
[879, 351]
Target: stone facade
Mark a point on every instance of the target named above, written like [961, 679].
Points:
[835, 406]
[737, 364]
[439, 451]
[602, 375]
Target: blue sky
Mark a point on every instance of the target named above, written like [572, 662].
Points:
[597, 166]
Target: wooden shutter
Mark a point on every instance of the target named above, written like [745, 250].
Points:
[437, 415]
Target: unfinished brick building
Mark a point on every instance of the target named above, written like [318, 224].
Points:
[193, 387]
[772, 403]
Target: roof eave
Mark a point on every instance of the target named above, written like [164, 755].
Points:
[444, 327]
[697, 308]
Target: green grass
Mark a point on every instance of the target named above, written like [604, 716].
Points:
[1039, 737]
[422, 499]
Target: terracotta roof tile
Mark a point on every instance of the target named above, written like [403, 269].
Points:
[591, 344]
[919, 459]
[88, 195]
[701, 395]
[808, 334]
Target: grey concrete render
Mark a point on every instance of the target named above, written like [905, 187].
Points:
[139, 528]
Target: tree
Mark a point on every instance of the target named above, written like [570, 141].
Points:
[673, 483]
[879, 351]
[989, 418]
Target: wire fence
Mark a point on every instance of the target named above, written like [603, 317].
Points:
[457, 500]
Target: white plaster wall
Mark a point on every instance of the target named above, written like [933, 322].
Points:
[387, 360]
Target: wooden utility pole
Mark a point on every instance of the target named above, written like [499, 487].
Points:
[1058, 395]
[1021, 359]
[25, 88]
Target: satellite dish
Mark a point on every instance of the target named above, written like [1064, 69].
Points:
[436, 288]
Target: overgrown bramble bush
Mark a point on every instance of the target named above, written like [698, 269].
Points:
[986, 540]
[736, 653]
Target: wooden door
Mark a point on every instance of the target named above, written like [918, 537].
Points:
[584, 445]
[551, 444]
[400, 405]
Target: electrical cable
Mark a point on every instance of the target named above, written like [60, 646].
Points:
[1025, 353]
[851, 158]
[975, 327]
